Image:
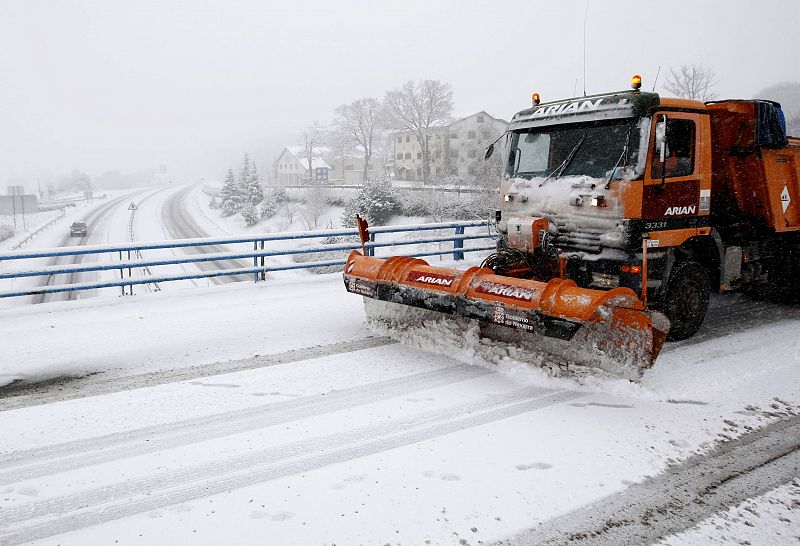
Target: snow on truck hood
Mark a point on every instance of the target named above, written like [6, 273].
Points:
[566, 202]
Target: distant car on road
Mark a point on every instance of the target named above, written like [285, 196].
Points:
[78, 229]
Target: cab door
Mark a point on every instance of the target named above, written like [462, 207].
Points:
[671, 196]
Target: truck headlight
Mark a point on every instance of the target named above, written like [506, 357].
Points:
[604, 280]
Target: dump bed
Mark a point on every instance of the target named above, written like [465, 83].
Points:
[755, 166]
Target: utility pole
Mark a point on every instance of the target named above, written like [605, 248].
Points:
[14, 209]
[22, 202]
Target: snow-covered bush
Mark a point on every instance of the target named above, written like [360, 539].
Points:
[330, 255]
[6, 232]
[279, 193]
[414, 203]
[249, 214]
[272, 200]
[214, 203]
[377, 201]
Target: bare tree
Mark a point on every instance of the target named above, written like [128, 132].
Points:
[418, 108]
[339, 147]
[287, 215]
[315, 205]
[694, 81]
[360, 122]
[383, 149]
[311, 137]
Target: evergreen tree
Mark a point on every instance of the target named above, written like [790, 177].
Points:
[249, 214]
[255, 194]
[245, 172]
[230, 195]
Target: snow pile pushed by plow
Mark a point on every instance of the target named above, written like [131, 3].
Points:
[473, 342]
[611, 330]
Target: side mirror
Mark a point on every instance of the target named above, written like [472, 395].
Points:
[489, 152]
[662, 150]
[661, 138]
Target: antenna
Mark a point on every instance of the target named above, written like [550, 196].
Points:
[585, 14]
[655, 80]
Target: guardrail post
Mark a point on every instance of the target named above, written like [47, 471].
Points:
[263, 271]
[255, 261]
[458, 244]
[121, 275]
[130, 274]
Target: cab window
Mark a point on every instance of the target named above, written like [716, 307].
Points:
[680, 151]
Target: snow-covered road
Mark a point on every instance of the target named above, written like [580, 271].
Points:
[268, 413]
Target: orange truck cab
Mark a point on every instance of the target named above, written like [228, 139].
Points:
[692, 197]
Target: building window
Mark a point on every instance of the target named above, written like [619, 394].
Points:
[479, 119]
[453, 135]
[473, 153]
[471, 134]
[408, 155]
[419, 171]
[399, 156]
[408, 138]
[349, 167]
[453, 153]
[419, 155]
[399, 139]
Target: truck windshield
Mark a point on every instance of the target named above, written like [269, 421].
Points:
[591, 149]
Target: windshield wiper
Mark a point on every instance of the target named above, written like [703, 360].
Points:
[564, 164]
[623, 154]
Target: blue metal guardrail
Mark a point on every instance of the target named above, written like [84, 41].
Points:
[259, 253]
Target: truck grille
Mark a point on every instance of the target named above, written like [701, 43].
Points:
[585, 240]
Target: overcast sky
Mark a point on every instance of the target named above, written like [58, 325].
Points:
[98, 85]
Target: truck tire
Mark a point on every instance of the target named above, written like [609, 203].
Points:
[686, 301]
[783, 279]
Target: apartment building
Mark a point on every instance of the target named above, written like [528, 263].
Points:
[455, 148]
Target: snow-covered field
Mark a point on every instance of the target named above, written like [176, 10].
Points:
[268, 413]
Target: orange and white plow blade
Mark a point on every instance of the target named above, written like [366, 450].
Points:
[608, 329]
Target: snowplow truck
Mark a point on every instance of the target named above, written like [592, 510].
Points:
[619, 214]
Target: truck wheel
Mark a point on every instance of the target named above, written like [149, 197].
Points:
[686, 300]
[783, 279]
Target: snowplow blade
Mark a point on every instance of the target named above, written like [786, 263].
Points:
[607, 329]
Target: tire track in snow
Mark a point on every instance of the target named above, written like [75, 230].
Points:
[96, 385]
[683, 495]
[730, 314]
[24, 465]
[71, 512]
[180, 225]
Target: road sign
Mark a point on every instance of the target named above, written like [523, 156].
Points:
[132, 206]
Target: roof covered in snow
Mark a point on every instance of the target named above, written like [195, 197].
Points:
[298, 152]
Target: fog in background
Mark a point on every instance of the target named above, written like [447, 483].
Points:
[107, 85]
